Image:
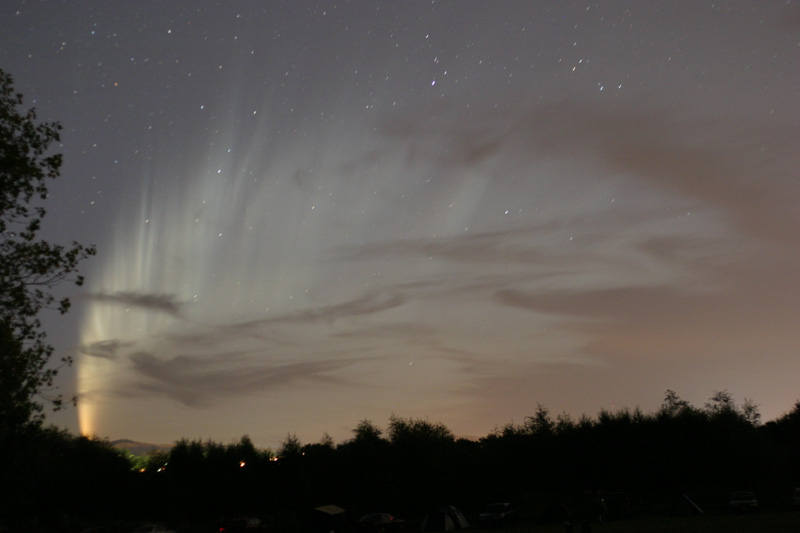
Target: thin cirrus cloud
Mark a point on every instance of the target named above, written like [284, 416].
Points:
[106, 349]
[639, 145]
[734, 171]
[165, 303]
[197, 382]
[740, 165]
[212, 371]
[366, 304]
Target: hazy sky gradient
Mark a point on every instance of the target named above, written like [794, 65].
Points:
[312, 213]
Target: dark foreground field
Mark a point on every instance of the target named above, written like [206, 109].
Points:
[783, 522]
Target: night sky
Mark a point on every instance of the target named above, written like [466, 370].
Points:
[312, 213]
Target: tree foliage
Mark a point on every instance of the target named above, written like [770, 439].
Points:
[542, 466]
[30, 268]
[367, 431]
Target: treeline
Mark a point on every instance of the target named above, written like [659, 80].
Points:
[543, 465]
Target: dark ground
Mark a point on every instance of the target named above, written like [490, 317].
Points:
[766, 522]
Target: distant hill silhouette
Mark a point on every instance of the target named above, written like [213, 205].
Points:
[140, 448]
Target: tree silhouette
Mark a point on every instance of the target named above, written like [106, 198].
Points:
[30, 268]
[366, 431]
[644, 460]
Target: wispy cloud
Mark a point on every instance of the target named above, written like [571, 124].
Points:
[741, 165]
[197, 381]
[369, 303]
[165, 303]
[106, 349]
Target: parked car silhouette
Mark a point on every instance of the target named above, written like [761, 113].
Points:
[242, 524]
[743, 501]
[153, 528]
[497, 515]
[380, 523]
